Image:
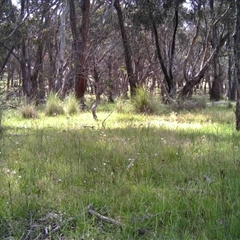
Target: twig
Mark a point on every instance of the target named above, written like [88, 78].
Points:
[103, 218]
[38, 236]
[103, 123]
[86, 126]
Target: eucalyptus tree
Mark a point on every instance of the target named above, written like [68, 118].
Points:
[104, 50]
[152, 14]
[36, 35]
[221, 13]
[187, 23]
[127, 50]
[9, 28]
[80, 40]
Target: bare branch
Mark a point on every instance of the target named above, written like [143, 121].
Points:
[103, 218]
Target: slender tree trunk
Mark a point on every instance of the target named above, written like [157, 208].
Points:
[231, 84]
[172, 51]
[109, 83]
[61, 60]
[127, 51]
[160, 57]
[237, 61]
[76, 44]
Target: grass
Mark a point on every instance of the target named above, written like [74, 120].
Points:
[174, 176]
[54, 105]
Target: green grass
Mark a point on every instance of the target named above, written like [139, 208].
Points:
[174, 176]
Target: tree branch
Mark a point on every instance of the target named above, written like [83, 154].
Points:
[103, 218]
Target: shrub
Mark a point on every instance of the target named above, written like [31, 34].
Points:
[71, 104]
[54, 105]
[142, 101]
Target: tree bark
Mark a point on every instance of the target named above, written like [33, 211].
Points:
[78, 48]
[237, 61]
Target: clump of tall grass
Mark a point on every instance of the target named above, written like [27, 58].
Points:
[71, 104]
[124, 106]
[54, 105]
[142, 102]
[28, 111]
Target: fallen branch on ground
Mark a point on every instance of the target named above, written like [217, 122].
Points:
[103, 123]
[92, 212]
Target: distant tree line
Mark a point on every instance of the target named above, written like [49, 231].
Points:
[112, 46]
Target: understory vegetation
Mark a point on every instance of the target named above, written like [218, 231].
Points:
[168, 175]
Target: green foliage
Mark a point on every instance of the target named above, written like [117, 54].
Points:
[164, 177]
[142, 101]
[54, 105]
[71, 104]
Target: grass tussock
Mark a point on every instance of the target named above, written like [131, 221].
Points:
[54, 105]
[161, 177]
[142, 101]
[71, 104]
[28, 111]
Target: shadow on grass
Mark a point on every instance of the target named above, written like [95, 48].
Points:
[169, 183]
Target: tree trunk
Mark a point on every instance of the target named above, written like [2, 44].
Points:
[231, 84]
[76, 48]
[216, 89]
[81, 83]
[109, 83]
[61, 60]
[237, 61]
[127, 51]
